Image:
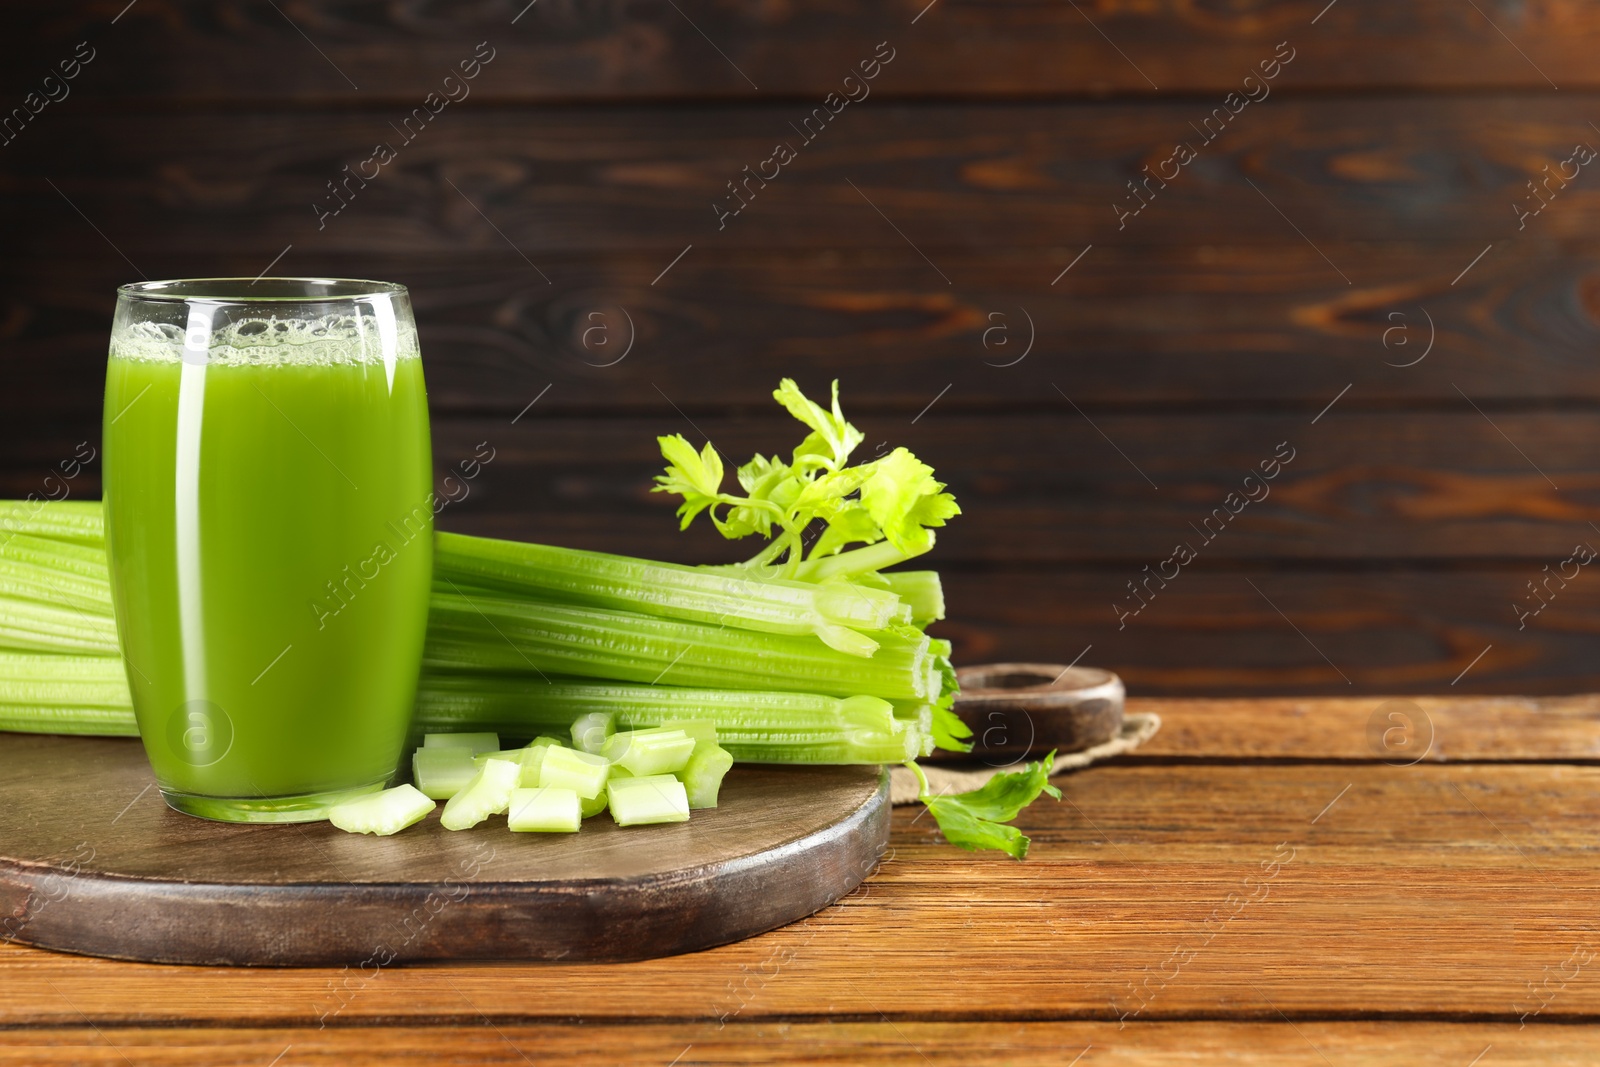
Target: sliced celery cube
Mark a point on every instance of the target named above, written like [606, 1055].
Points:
[582, 772]
[647, 752]
[592, 806]
[528, 759]
[702, 778]
[551, 809]
[589, 732]
[489, 793]
[475, 742]
[442, 771]
[383, 813]
[515, 755]
[650, 799]
[532, 760]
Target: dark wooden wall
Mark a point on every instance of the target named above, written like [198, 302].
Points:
[1308, 253]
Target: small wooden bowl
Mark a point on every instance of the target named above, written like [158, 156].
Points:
[1020, 710]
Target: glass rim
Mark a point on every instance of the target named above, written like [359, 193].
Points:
[239, 290]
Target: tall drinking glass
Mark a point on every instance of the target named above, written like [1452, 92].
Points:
[270, 528]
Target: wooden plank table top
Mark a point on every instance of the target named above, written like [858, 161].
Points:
[1278, 881]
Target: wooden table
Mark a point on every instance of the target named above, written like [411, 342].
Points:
[1268, 881]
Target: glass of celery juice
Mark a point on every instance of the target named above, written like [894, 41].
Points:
[270, 528]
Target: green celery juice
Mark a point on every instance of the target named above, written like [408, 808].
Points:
[269, 522]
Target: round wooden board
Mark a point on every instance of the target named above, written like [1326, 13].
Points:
[93, 861]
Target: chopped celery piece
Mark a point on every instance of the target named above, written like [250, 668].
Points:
[590, 732]
[529, 759]
[702, 778]
[582, 772]
[545, 741]
[481, 742]
[652, 799]
[489, 793]
[594, 805]
[384, 813]
[551, 809]
[648, 752]
[442, 772]
[699, 729]
[696, 729]
[515, 755]
[532, 762]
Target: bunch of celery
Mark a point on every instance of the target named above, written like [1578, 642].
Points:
[796, 656]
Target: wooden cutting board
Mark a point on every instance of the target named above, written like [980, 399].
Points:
[93, 861]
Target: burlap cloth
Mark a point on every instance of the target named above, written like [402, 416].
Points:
[943, 778]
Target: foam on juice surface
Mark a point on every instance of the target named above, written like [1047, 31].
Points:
[333, 339]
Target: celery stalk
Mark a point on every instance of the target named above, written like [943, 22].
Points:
[474, 743]
[858, 561]
[754, 726]
[29, 626]
[664, 589]
[898, 748]
[519, 705]
[921, 591]
[65, 694]
[28, 582]
[479, 632]
[77, 521]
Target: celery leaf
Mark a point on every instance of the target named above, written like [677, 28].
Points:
[974, 820]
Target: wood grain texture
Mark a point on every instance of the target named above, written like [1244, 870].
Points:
[949, 176]
[1378, 631]
[1055, 485]
[1069, 484]
[1219, 324]
[1393, 730]
[1366, 890]
[127, 878]
[1046, 1044]
[247, 52]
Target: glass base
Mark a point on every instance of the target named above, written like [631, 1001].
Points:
[306, 807]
